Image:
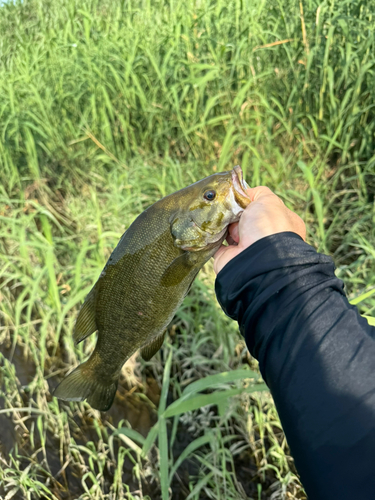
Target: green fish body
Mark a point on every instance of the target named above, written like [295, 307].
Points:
[146, 279]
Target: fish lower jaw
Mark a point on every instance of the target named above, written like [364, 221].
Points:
[215, 238]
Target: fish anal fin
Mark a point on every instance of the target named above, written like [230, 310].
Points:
[81, 384]
[152, 348]
[86, 323]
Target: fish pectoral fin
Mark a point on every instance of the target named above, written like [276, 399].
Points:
[178, 270]
[151, 349]
[86, 323]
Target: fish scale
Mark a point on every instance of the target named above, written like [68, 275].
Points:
[146, 279]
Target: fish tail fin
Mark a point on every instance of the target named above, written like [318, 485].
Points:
[81, 384]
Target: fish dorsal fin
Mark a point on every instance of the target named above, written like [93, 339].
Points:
[179, 269]
[151, 349]
[86, 324]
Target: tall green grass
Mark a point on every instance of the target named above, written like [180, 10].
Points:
[104, 108]
[208, 81]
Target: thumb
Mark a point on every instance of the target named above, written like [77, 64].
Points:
[258, 192]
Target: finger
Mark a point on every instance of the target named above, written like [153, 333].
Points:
[223, 256]
[220, 252]
[231, 241]
[234, 232]
[217, 258]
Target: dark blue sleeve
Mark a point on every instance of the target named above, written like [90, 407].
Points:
[317, 356]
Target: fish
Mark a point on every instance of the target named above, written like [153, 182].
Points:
[147, 277]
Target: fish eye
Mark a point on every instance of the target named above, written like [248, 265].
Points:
[210, 195]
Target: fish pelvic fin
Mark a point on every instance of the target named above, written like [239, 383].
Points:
[81, 384]
[86, 323]
[151, 349]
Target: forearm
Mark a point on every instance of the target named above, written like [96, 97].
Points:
[317, 356]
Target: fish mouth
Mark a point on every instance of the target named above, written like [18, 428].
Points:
[240, 186]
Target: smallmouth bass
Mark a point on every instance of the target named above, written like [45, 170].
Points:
[146, 279]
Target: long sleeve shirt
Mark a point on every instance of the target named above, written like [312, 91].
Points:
[316, 354]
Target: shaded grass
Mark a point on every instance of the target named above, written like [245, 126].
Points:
[105, 108]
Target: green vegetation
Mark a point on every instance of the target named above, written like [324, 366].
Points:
[107, 106]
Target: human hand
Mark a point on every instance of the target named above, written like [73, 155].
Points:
[265, 215]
